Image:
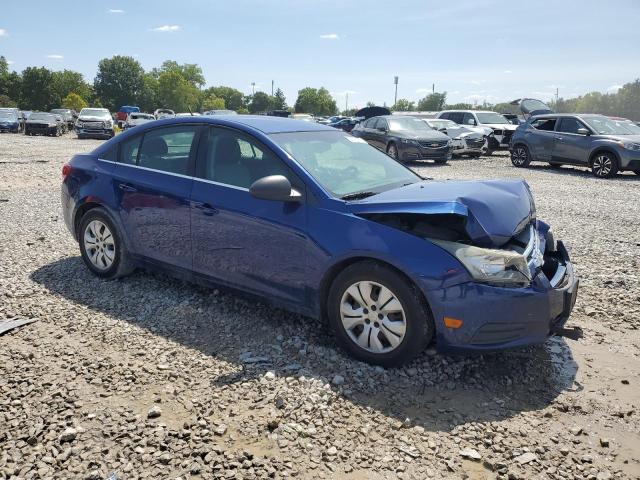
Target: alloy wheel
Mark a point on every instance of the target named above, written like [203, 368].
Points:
[602, 165]
[99, 245]
[373, 317]
[519, 156]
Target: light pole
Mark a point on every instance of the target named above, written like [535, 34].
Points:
[272, 88]
[253, 88]
[395, 97]
[346, 103]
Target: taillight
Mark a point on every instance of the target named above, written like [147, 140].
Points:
[66, 170]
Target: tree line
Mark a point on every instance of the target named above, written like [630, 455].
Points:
[121, 80]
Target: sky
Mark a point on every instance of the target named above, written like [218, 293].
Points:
[475, 50]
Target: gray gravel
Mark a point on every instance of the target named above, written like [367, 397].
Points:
[149, 377]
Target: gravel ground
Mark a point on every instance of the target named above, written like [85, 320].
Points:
[150, 377]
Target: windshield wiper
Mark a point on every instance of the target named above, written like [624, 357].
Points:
[357, 195]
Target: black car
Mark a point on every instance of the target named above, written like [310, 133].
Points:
[346, 124]
[405, 138]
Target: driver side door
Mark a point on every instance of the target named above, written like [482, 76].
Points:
[260, 246]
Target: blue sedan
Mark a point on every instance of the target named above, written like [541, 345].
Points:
[318, 222]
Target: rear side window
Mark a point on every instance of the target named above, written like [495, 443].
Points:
[129, 150]
[168, 149]
[456, 117]
[545, 124]
[569, 125]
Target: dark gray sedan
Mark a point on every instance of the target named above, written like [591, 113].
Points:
[405, 138]
[594, 141]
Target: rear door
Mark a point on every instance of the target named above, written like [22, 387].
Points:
[153, 180]
[379, 134]
[571, 146]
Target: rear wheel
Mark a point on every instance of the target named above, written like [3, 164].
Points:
[440, 161]
[604, 165]
[101, 246]
[520, 156]
[377, 315]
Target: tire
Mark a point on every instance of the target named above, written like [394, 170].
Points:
[604, 165]
[392, 151]
[520, 156]
[409, 314]
[97, 228]
[637, 172]
[440, 161]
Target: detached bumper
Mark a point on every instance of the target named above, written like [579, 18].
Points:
[496, 318]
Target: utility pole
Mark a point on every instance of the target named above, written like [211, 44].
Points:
[346, 103]
[556, 98]
[253, 88]
[433, 88]
[395, 98]
[272, 88]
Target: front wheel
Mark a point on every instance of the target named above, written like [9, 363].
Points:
[377, 315]
[101, 246]
[520, 156]
[604, 165]
[392, 151]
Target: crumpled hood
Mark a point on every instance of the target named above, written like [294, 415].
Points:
[91, 118]
[493, 210]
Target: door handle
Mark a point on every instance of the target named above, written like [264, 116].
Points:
[206, 208]
[127, 188]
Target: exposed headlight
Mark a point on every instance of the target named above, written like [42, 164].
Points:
[631, 145]
[409, 141]
[501, 267]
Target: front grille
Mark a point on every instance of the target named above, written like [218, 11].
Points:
[38, 125]
[92, 124]
[475, 142]
[434, 144]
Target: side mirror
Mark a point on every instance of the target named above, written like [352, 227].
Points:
[471, 121]
[443, 130]
[275, 187]
[583, 131]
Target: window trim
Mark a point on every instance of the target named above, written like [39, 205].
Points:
[577, 119]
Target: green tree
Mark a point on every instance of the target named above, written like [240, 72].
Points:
[148, 97]
[211, 102]
[315, 101]
[279, 100]
[37, 89]
[177, 93]
[404, 105]
[10, 82]
[460, 106]
[74, 102]
[434, 102]
[120, 81]
[68, 81]
[191, 72]
[233, 99]
[371, 104]
[5, 101]
[261, 102]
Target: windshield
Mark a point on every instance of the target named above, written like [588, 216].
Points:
[437, 124]
[42, 116]
[343, 164]
[632, 127]
[407, 123]
[491, 117]
[604, 126]
[8, 115]
[94, 112]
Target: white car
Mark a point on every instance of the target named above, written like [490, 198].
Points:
[94, 123]
[164, 113]
[501, 127]
[138, 118]
[464, 141]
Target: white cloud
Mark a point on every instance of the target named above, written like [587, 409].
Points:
[614, 88]
[423, 90]
[475, 82]
[167, 28]
[10, 62]
[507, 72]
[115, 10]
[330, 36]
[55, 56]
[3, 33]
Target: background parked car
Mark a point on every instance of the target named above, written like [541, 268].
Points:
[463, 140]
[41, 123]
[123, 113]
[346, 124]
[164, 113]
[138, 118]
[628, 124]
[94, 123]
[513, 118]
[221, 112]
[305, 117]
[502, 129]
[593, 141]
[67, 116]
[10, 121]
[405, 138]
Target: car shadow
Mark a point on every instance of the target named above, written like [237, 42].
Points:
[435, 391]
[582, 172]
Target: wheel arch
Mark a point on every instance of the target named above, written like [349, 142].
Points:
[335, 269]
[91, 204]
[603, 149]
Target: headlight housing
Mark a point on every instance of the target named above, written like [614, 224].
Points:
[497, 267]
[631, 146]
[409, 141]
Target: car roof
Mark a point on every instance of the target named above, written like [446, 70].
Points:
[471, 111]
[263, 123]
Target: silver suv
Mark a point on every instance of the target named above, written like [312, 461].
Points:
[588, 140]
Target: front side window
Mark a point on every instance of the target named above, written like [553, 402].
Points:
[569, 125]
[168, 149]
[236, 159]
[468, 119]
[491, 117]
[343, 164]
[409, 124]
